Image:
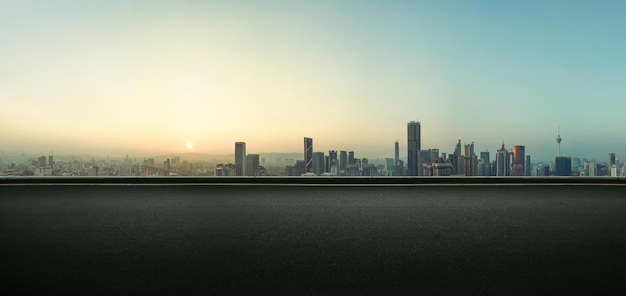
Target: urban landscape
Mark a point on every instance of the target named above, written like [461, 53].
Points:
[464, 160]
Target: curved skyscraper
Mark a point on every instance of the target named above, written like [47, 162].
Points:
[308, 155]
[519, 159]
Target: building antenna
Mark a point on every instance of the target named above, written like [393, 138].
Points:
[558, 142]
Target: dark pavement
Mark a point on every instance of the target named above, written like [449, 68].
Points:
[212, 239]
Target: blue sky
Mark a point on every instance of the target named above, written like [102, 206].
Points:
[150, 76]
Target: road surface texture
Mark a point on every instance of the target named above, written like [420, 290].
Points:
[199, 239]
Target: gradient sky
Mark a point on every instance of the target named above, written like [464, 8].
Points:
[149, 76]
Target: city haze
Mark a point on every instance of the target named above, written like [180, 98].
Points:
[149, 77]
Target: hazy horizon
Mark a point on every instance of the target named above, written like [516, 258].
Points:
[148, 77]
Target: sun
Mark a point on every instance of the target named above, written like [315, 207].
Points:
[189, 145]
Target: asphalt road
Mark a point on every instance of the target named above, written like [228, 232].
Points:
[417, 240]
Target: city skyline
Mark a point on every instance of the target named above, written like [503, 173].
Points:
[113, 77]
[395, 148]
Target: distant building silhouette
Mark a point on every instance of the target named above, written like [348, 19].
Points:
[240, 158]
[223, 170]
[300, 168]
[413, 147]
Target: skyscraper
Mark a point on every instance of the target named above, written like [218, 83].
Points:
[308, 155]
[457, 160]
[413, 147]
[613, 166]
[470, 160]
[240, 158]
[343, 161]
[397, 154]
[519, 159]
[502, 161]
[332, 162]
[485, 169]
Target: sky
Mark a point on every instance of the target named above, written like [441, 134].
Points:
[149, 77]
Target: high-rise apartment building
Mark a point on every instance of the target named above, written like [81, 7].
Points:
[318, 163]
[240, 158]
[413, 147]
[252, 165]
[308, 155]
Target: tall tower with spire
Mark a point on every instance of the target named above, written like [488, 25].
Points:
[558, 142]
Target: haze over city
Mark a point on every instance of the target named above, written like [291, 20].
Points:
[150, 77]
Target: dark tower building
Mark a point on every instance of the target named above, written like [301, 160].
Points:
[413, 147]
[308, 155]
[351, 159]
[240, 158]
[519, 158]
[527, 166]
[470, 160]
[563, 166]
[397, 154]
